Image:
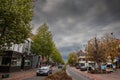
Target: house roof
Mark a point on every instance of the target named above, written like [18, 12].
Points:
[80, 53]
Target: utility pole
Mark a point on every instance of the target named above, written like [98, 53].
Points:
[98, 59]
[96, 46]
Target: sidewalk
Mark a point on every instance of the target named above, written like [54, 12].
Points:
[110, 76]
[21, 75]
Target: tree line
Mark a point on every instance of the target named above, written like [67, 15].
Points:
[15, 28]
[44, 45]
[100, 50]
[103, 50]
[15, 17]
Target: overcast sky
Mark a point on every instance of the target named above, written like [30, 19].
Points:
[74, 22]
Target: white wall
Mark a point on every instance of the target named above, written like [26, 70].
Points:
[23, 47]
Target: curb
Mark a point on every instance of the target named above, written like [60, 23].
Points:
[88, 75]
[69, 74]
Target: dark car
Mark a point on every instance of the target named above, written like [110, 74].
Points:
[60, 66]
[46, 70]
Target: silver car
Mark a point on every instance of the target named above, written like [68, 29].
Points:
[46, 70]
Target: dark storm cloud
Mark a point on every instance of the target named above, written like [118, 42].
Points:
[52, 10]
[73, 22]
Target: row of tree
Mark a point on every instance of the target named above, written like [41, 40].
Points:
[102, 50]
[15, 18]
[72, 58]
[43, 45]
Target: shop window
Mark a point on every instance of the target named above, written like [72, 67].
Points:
[0, 60]
[16, 62]
[27, 63]
[13, 62]
[82, 59]
[6, 61]
[19, 60]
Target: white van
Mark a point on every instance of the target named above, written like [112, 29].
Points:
[83, 66]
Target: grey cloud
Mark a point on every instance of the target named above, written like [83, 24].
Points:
[73, 22]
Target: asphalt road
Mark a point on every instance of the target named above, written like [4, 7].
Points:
[75, 75]
[41, 77]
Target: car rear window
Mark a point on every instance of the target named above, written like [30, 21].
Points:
[109, 65]
[82, 64]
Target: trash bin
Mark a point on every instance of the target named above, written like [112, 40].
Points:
[5, 75]
[0, 76]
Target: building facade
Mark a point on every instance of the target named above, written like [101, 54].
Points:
[18, 57]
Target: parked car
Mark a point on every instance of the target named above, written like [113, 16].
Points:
[60, 66]
[109, 67]
[103, 67]
[45, 70]
[92, 67]
[83, 66]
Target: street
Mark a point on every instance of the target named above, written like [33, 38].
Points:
[75, 75]
[41, 77]
[59, 39]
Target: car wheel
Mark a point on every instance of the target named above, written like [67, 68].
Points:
[37, 74]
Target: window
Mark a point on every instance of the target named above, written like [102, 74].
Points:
[82, 64]
[0, 60]
[27, 62]
[19, 60]
[109, 66]
[92, 64]
[13, 62]
[16, 62]
[5, 61]
[82, 59]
